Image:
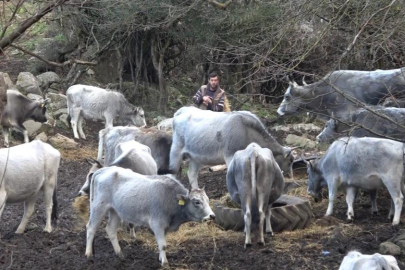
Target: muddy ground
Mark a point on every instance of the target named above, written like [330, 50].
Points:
[195, 246]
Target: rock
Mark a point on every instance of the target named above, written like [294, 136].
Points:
[90, 72]
[3, 93]
[9, 84]
[166, 125]
[298, 127]
[55, 87]
[34, 97]
[401, 244]
[64, 119]
[60, 141]
[300, 141]
[47, 79]
[57, 101]
[59, 112]
[27, 83]
[32, 127]
[35, 128]
[42, 136]
[306, 128]
[390, 248]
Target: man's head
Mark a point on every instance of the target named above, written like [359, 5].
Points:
[213, 79]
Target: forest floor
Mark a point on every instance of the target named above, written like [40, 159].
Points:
[194, 246]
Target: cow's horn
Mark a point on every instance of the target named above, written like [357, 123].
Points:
[303, 81]
[296, 147]
[306, 161]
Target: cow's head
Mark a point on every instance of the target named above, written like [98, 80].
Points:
[196, 205]
[285, 161]
[329, 133]
[293, 98]
[315, 179]
[136, 117]
[95, 165]
[39, 112]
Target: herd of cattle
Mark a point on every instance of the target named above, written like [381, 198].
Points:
[136, 180]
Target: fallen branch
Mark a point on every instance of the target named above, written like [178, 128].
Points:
[68, 62]
[220, 5]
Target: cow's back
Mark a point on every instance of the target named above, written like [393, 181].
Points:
[358, 157]
[26, 167]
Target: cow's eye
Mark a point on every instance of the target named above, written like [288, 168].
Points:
[287, 97]
[197, 203]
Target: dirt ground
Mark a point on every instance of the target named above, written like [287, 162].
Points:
[195, 246]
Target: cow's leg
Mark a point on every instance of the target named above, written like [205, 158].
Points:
[3, 199]
[332, 196]
[373, 199]
[175, 157]
[112, 227]
[29, 206]
[132, 230]
[6, 134]
[261, 219]
[109, 121]
[193, 169]
[248, 223]
[394, 188]
[97, 214]
[392, 211]
[350, 198]
[160, 235]
[80, 126]
[74, 120]
[269, 229]
[22, 129]
[48, 196]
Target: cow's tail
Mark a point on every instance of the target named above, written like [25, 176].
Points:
[54, 214]
[254, 203]
[69, 108]
[101, 141]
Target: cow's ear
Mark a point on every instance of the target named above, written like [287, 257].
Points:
[181, 199]
[89, 161]
[311, 164]
[136, 110]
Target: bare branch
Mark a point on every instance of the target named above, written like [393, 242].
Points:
[220, 5]
[77, 61]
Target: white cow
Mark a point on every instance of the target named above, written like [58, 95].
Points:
[25, 171]
[91, 102]
[159, 202]
[357, 261]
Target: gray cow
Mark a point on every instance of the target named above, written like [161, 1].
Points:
[27, 170]
[212, 138]
[19, 109]
[365, 163]
[369, 87]
[129, 155]
[158, 202]
[158, 141]
[95, 103]
[255, 181]
[335, 128]
[354, 260]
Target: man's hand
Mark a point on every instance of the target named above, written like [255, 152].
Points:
[206, 100]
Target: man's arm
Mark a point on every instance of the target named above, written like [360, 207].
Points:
[198, 98]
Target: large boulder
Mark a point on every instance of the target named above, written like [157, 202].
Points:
[390, 248]
[57, 101]
[60, 141]
[33, 128]
[8, 83]
[48, 78]
[300, 141]
[27, 83]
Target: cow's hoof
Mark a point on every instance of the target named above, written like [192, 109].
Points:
[248, 245]
[19, 231]
[374, 213]
[270, 233]
[48, 230]
[120, 255]
[260, 243]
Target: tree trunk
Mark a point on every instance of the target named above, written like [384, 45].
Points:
[158, 62]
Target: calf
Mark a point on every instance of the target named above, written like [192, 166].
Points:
[91, 102]
[158, 141]
[130, 155]
[366, 163]
[255, 181]
[158, 202]
[18, 110]
[357, 261]
[26, 170]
